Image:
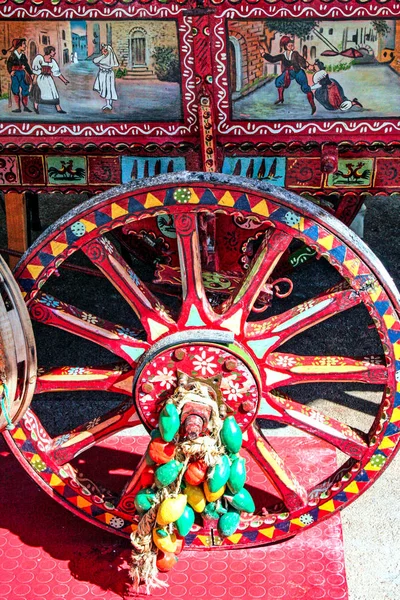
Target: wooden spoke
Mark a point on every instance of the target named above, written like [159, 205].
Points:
[284, 410]
[196, 309]
[289, 369]
[126, 501]
[267, 335]
[120, 340]
[274, 244]
[152, 313]
[112, 378]
[67, 446]
[285, 483]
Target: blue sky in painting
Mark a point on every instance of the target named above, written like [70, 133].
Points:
[78, 27]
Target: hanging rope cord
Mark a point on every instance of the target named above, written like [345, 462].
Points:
[207, 448]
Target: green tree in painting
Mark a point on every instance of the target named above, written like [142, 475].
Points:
[380, 27]
[166, 64]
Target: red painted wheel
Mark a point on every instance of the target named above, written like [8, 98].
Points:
[205, 290]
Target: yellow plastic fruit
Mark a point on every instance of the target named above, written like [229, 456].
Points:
[213, 496]
[166, 544]
[195, 497]
[171, 509]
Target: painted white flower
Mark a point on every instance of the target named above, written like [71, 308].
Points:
[317, 416]
[204, 364]
[107, 245]
[166, 378]
[372, 360]
[285, 361]
[234, 392]
[76, 371]
[89, 318]
[117, 522]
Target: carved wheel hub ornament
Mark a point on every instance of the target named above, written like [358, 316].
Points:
[171, 320]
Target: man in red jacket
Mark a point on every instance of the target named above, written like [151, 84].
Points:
[293, 65]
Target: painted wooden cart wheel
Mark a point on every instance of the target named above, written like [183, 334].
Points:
[192, 278]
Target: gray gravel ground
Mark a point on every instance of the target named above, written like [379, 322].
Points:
[372, 524]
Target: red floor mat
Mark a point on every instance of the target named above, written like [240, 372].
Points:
[46, 552]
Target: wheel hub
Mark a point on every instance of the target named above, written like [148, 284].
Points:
[229, 371]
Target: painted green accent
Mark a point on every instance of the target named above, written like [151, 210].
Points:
[301, 316]
[301, 256]
[246, 357]
[250, 276]
[167, 473]
[231, 435]
[134, 353]
[162, 533]
[144, 499]
[219, 474]
[62, 170]
[260, 347]
[242, 501]
[169, 422]
[228, 523]
[185, 521]
[352, 172]
[237, 476]
[194, 319]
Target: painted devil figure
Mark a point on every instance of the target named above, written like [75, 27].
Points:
[292, 65]
[20, 72]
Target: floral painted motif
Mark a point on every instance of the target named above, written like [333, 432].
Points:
[89, 318]
[203, 364]
[49, 301]
[166, 378]
[285, 361]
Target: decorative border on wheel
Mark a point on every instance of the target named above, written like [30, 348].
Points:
[344, 486]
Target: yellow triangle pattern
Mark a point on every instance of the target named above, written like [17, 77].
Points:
[327, 242]
[328, 506]
[194, 199]
[389, 320]
[82, 502]
[89, 226]
[261, 208]
[152, 201]
[35, 270]
[396, 348]
[19, 434]
[352, 265]
[386, 443]
[235, 538]
[297, 522]
[395, 415]
[352, 488]
[205, 539]
[370, 467]
[156, 329]
[227, 200]
[57, 248]
[268, 532]
[55, 481]
[117, 211]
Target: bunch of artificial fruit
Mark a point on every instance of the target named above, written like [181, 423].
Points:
[182, 485]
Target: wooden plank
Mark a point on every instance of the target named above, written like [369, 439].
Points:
[16, 223]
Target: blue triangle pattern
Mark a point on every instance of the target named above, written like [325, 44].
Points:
[101, 218]
[312, 232]
[68, 493]
[45, 258]
[26, 284]
[208, 197]
[392, 429]
[27, 446]
[96, 510]
[243, 203]
[339, 253]
[396, 402]
[362, 476]
[250, 535]
[382, 308]
[71, 237]
[134, 205]
[169, 197]
[189, 538]
[394, 335]
[284, 526]
[341, 497]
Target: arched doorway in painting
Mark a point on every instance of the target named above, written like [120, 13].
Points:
[235, 64]
[138, 48]
[32, 51]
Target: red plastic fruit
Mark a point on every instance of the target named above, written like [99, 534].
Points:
[147, 476]
[165, 561]
[196, 472]
[160, 451]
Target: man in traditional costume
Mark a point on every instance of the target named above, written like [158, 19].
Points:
[293, 65]
[20, 72]
[105, 80]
